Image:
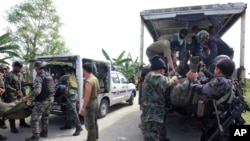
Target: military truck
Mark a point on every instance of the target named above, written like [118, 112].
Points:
[114, 86]
[221, 17]
[169, 21]
[218, 17]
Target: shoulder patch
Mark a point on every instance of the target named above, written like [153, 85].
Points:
[214, 81]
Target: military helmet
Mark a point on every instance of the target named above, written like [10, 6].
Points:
[39, 65]
[202, 35]
[17, 64]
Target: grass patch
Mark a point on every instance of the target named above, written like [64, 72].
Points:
[246, 115]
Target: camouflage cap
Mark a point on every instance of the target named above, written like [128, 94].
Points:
[3, 66]
[39, 65]
[202, 35]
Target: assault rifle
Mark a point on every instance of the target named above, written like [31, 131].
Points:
[232, 115]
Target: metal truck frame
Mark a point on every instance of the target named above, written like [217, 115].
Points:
[170, 20]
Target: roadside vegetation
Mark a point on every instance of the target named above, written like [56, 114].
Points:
[246, 115]
[124, 64]
[33, 30]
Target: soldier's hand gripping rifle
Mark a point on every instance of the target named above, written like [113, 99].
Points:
[232, 115]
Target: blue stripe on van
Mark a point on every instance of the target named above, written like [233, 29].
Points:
[123, 91]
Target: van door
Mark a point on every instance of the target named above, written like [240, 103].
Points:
[116, 88]
[124, 84]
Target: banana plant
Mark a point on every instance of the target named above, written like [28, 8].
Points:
[131, 68]
[8, 48]
[117, 62]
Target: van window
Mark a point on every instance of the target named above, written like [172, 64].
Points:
[123, 79]
[115, 78]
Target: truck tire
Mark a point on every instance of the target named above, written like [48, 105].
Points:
[131, 99]
[103, 109]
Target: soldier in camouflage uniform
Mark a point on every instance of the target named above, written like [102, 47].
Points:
[90, 105]
[42, 97]
[155, 89]
[14, 81]
[216, 89]
[3, 72]
[71, 97]
[2, 89]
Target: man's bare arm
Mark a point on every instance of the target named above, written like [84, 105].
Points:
[88, 90]
[170, 62]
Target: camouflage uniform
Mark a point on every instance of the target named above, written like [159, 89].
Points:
[91, 120]
[2, 120]
[3, 68]
[155, 90]
[14, 82]
[71, 97]
[41, 108]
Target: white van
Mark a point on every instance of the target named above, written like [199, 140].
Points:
[115, 87]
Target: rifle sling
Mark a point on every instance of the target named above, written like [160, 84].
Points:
[217, 117]
[228, 96]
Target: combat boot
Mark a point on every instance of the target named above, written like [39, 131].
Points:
[32, 138]
[78, 130]
[44, 132]
[2, 137]
[66, 126]
[24, 124]
[2, 123]
[13, 126]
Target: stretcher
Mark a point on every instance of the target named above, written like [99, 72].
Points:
[14, 110]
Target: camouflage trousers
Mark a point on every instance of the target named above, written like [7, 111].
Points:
[41, 109]
[71, 112]
[90, 120]
[153, 131]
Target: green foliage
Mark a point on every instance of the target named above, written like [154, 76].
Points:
[35, 28]
[118, 62]
[126, 65]
[8, 48]
[106, 55]
[131, 68]
[247, 88]
[246, 115]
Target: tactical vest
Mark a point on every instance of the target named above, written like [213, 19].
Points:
[48, 88]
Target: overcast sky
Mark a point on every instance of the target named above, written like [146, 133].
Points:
[114, 25]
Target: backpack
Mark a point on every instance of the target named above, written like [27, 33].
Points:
[72, 82]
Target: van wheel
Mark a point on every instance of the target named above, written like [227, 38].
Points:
[103, 109]
[131, 99]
